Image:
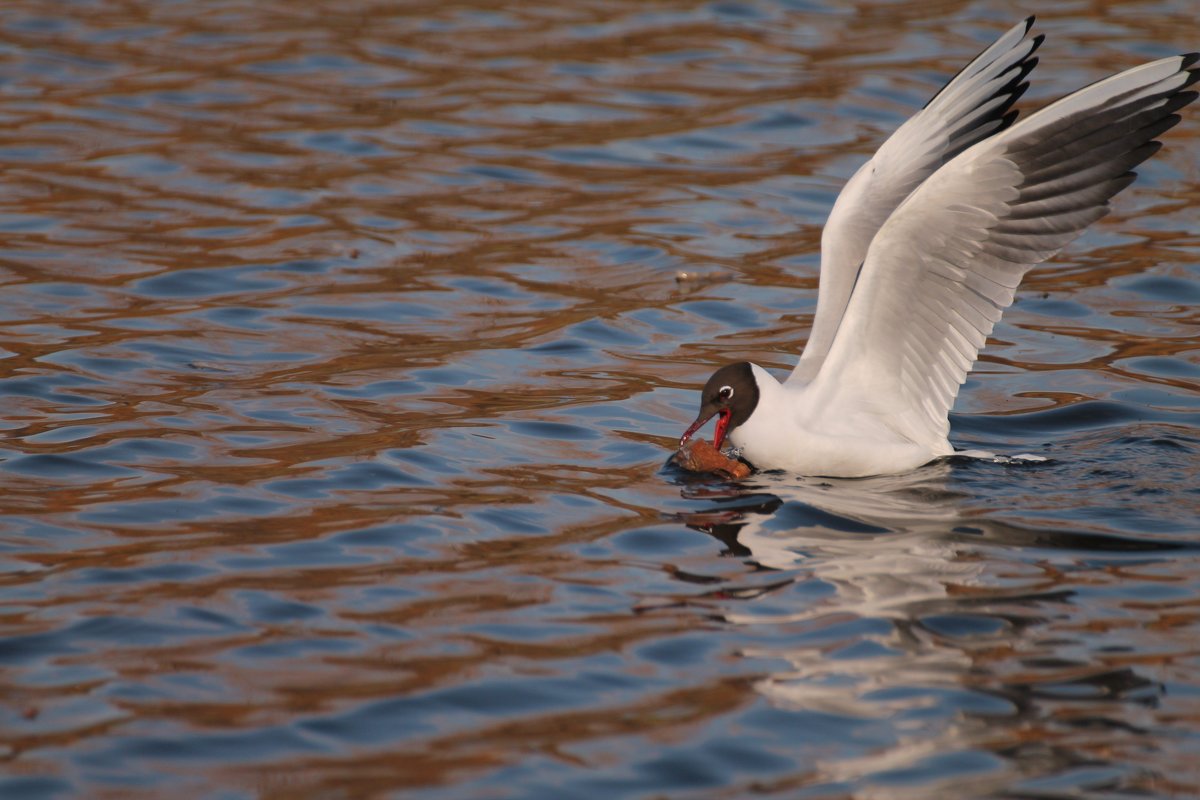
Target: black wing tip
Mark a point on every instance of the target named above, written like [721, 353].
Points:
[1027, 66]
[1013, 89]
[1193, 75]
[1145, 151]
[1168, 122]
[1182, 99]
[1016, 93]
[1120, 184]
[1187, 60]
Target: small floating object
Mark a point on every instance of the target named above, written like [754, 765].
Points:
[699, 455]
[702, 278]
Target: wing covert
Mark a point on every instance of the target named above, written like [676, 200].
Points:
[974, 104]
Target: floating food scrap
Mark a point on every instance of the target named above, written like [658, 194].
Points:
[699, 455]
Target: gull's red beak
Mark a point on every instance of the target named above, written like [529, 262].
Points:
[722, 426]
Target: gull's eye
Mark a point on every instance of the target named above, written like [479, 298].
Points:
[725, 393]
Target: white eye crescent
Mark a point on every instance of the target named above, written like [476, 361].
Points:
[726, 392]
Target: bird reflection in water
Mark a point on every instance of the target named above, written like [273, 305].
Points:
[898, 608]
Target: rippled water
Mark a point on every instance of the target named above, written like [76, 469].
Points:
[343, 346]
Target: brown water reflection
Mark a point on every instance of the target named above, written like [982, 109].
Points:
[341, 346]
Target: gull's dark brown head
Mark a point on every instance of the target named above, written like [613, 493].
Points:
[731, 395]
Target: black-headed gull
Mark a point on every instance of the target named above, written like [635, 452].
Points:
[923, 251]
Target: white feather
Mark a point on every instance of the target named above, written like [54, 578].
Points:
[969, 108]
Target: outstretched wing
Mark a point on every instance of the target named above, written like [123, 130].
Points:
[975, 104]
[945, 265]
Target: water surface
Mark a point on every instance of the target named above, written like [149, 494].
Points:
[342, 346]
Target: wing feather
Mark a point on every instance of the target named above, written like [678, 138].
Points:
[945, 265]
[972, 106]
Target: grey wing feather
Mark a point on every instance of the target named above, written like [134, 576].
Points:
[946, 264]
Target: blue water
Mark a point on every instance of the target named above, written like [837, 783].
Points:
[343, 348]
